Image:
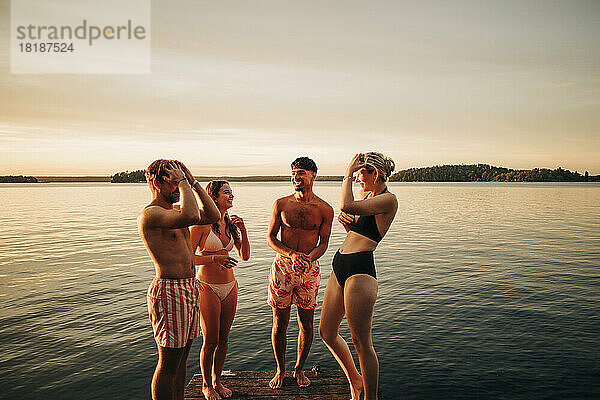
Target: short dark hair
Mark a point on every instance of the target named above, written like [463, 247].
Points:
[304, 163]
[156, 170]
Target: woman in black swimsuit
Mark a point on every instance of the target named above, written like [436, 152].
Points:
[352, 287]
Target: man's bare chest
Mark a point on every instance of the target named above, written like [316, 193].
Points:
[302, 216]
[171, 237]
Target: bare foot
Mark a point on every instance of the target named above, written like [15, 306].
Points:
[301, 379]
[277, 380]
[210, 393]
[356, 389]
[223, 391]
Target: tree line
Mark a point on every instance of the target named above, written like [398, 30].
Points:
[17, 179]
[488, 173]
[129, 177]
[438, 173]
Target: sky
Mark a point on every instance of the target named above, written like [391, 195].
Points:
[244, 87]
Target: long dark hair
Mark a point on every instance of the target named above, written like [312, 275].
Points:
[213, 188]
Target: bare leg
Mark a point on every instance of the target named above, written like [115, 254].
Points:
[332, 314]
[181, 372]
[228, 306]
[210, 310]
[281, 318]
[163, 381]
[360, 293]
[305, 338]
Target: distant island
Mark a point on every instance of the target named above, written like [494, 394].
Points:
[488, 173]
[438, 173]
[17, 179]
[53, 179]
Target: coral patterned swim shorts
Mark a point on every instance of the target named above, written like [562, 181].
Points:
[293, 284]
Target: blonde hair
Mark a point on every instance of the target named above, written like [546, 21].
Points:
[381, 163]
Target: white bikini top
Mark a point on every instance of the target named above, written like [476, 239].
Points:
[213, 243]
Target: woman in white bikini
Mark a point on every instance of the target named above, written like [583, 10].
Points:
[218, 300]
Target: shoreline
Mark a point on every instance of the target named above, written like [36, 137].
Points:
[261, 179]
[438, 173]
[257, 178]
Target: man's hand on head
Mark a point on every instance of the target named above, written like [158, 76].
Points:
[175, 174]
[186, 171]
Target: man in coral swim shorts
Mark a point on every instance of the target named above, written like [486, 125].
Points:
[173, 295]
[304, 220]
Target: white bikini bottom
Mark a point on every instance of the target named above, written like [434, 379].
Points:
[222, 290]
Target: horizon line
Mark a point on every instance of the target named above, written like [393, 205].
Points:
[284, 175]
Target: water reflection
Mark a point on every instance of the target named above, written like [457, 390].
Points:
[486, 290]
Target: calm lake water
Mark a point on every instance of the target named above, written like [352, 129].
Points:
[487, 291]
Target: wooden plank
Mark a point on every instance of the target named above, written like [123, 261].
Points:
[330, 385]
[270, 374]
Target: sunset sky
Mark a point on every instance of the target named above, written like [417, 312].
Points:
[243, 87]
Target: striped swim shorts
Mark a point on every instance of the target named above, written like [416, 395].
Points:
[174, 310]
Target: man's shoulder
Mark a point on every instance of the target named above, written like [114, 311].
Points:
[150, 214]
[150, 209]
[284, 200]
[322, 204]
[146, 211]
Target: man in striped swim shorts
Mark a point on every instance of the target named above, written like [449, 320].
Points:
[173, 295]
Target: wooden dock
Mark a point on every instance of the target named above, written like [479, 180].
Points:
[330, 385]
